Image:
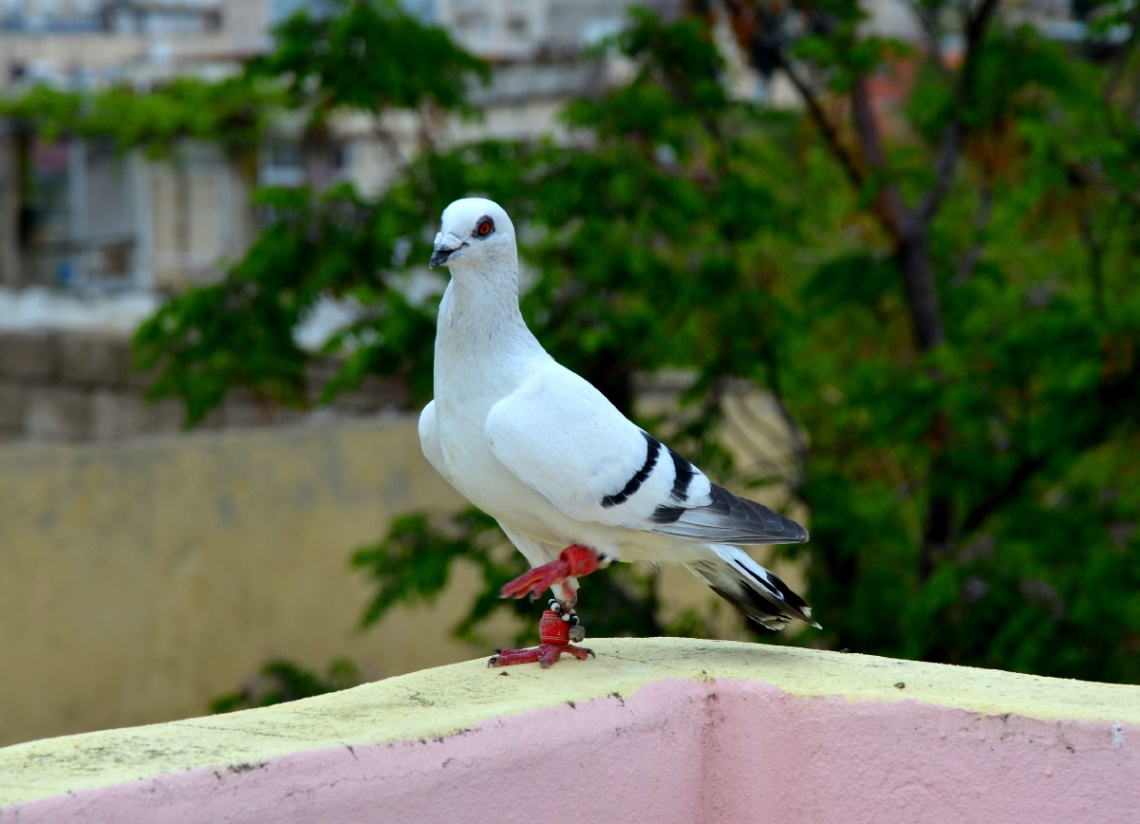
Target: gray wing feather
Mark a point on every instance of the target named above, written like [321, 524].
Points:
[728, 519]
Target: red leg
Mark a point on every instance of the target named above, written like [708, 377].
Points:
[574, 561]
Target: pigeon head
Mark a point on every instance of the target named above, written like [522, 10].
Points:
[475, 233]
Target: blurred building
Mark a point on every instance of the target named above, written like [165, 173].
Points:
[87, 216]
[83, 215]
[83, 44]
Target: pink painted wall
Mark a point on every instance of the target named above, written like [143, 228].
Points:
[676, 752]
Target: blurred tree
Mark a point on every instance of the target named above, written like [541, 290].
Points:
[233, 112]
[368, 57]
[963, 382]
[281, 681]
[938, 298]
[1020, 382]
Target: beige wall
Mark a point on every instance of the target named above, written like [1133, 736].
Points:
[139, 581]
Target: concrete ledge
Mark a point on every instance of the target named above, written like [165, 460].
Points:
[660, 730]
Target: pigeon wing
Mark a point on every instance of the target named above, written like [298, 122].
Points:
[567, 442]
[429, 442]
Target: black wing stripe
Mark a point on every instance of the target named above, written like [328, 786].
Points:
[666, 514]
[755, 606]
[684, 472]
[654, 449]
[752, 576]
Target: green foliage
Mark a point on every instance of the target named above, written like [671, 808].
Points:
[369, 57]
[281, 681]
[240, 331]
[1033, 396]
[232, 112]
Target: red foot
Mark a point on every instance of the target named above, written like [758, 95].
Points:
[544, 654]
[555, 636]
[574, 561]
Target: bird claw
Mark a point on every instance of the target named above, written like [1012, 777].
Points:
[574, 561]
[543, 654]
[536, 581]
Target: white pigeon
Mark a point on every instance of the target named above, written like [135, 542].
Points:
[556, 464]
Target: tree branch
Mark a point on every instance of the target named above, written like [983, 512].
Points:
[1120, 64]
[827, 129]
[953, 137]
[1021, 475]
[889, 206]
[753, 37]
[929, 24]
[969, 259]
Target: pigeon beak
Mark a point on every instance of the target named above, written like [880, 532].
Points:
[445, 246]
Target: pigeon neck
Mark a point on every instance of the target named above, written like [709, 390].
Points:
[479, 315]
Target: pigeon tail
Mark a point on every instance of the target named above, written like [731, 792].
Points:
[757, 592]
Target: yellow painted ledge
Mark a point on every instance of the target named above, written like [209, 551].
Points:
[439, 702]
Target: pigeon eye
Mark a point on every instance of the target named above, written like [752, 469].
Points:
[485, 227]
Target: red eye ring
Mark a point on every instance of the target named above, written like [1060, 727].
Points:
[485, 228]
